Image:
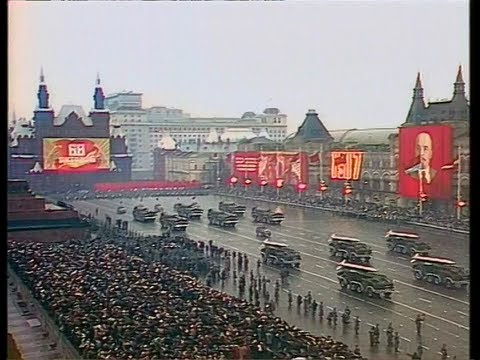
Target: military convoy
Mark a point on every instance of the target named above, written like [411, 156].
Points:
[439, 271]
[364, 280]
[406, 243]
[192, 211]
[350, 249]
[221, 218]
[267, 216]
[232, 208]
[142, 214]
[280, 255]
[173, 222]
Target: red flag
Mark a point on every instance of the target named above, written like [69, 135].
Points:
[450, 166]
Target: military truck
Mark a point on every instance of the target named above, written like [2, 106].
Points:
[173, 222]
[142, 214]
[121, 210]
[221, 218]
[263, 232]
[364, 280]
[350, 249]
[439, 271]
[280, 255]
[232, 208]
[406, 243]
[267, 216]
[192, 211]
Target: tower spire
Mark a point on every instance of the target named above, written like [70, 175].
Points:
[418, 83]
[459, 85]
[42, 94]
[417, 108]
[98, 96]
[459, 75]
[42, 76]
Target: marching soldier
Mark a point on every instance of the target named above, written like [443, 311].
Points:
[335, 316]
[443, 351]
[314, 307]
[396, 341]
[377, 334]
[390, 335]
[357, 325]
[419, 350]
[277, 291]
[305, 306]
[299, 300]
[371, 332]
[245, 261]
[320, 310]
[308, 298]
[418, 321]
[290, 299]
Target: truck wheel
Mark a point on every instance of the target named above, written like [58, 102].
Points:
[449, 283]
[370, 292]
[430, 278]
[437, 280]
[332, 251]
[390, 247]
[343, 284]
[404, 250]
[418, 275]
[412, 252]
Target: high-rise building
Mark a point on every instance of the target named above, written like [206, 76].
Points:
[143, 128]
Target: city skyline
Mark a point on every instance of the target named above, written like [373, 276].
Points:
[224, 59]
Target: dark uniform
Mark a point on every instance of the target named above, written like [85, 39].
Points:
[396, 341]
[371, 332]
[299, 300]
[320, 310]
[357, 325]
[443, 351]
[418, 321]
[290, 299]
[377, 335]
[390, 335]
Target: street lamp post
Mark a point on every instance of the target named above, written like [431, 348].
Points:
[459, 190]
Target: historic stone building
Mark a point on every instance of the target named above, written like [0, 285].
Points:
[26, 143]
[379, 177]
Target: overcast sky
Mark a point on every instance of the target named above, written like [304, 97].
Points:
[354, 62]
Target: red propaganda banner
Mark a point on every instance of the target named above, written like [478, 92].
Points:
[245, 165]
[423, 152]
[346, 165]
[292, 167]
[76, 154]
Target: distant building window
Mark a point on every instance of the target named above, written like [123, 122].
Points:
[204, 167]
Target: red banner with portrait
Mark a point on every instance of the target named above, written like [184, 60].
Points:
[423, 150]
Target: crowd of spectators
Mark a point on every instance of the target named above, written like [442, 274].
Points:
[128, 297]
[356, 208]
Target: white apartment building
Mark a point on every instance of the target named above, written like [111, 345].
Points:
[144, 128]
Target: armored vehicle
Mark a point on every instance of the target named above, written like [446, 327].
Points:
[267, 216]
[263, 232]
[350, 249]
[280, 254]
[439, 271]
[406, 243]
[173, 222]
[232, 208]
[142, 214]
[192, 211]
[121, 210]
[221, 218]
[364, 280]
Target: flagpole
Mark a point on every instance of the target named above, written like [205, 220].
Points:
[321, 162]
[277, 171]
[300, 177]
[420, 191]
[459, 193]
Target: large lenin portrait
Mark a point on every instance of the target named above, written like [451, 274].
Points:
[423, 150]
